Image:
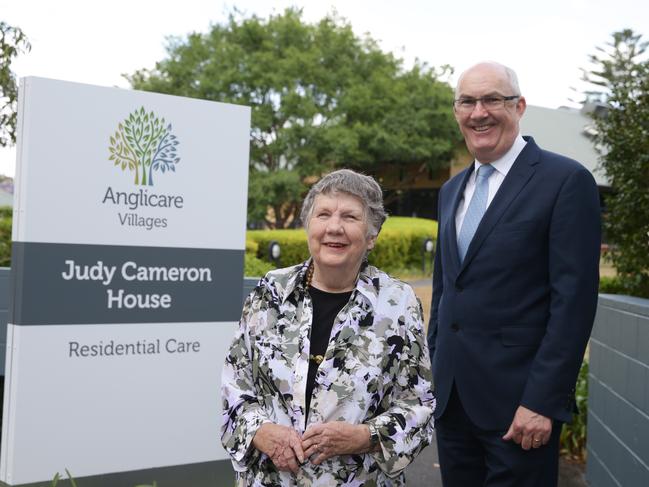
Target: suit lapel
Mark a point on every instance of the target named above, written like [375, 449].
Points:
[456, 198]
[516, 179]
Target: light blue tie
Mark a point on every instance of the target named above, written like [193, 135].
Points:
[477, 207]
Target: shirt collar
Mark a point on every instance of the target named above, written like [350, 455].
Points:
[296, 280]
[366, 285]
[505, 163]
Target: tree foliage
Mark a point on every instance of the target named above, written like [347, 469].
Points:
[321, 98]
[12, 42]
[621, 79]
[275, 196]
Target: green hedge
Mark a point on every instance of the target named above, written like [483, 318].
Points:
[254, 267]
[631, 285]
[611, 285]
[398, 247]
[6, 213]
[292, 243]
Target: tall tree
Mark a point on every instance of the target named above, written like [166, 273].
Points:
[12, 42]
[620, 75]
[321, 98]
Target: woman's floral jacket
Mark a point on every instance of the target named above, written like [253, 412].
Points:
[376, 370]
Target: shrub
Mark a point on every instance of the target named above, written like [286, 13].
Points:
[251, 247]
[254, 267]
[611, 285]
[292, 243]
[5, 237]
[413, 232]
[573, 435]
[399, 245]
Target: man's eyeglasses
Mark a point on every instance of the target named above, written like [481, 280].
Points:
[491, 102]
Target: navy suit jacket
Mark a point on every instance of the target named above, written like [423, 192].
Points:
[509, 325]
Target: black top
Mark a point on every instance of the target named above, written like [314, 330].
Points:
[326, 307]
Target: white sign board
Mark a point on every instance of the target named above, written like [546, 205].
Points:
[129, 236]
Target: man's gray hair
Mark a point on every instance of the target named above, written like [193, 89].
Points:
[512, 77]
[350, 182]
[513, 80]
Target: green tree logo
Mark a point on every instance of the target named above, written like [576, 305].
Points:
[143, 143]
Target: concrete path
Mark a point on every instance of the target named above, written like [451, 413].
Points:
[424, 471]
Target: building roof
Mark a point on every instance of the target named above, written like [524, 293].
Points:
[564, 130]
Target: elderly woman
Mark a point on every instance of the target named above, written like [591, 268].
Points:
[328, 380]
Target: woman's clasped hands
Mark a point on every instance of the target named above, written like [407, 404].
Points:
[287, 450]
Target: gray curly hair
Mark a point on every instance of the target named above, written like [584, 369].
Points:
[356, 184]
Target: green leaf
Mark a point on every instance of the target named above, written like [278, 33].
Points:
[72, 482]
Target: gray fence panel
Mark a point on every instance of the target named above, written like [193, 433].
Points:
[618, 398]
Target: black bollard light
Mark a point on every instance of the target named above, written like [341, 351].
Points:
[428, 247]
[274, 252]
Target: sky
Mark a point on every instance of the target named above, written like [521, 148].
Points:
[546, 43]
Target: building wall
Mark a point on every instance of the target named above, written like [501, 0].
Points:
[564, 131]
[618, 398]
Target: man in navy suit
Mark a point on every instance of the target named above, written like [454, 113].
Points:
[514, 293]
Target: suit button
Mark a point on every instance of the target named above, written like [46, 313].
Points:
[455, 327]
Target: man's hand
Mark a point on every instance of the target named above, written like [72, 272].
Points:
[529, 429]
[323, 441]
[282, 444]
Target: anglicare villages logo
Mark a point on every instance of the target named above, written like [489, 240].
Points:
[144, 144]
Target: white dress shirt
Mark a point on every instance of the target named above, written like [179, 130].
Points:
[501, 166]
